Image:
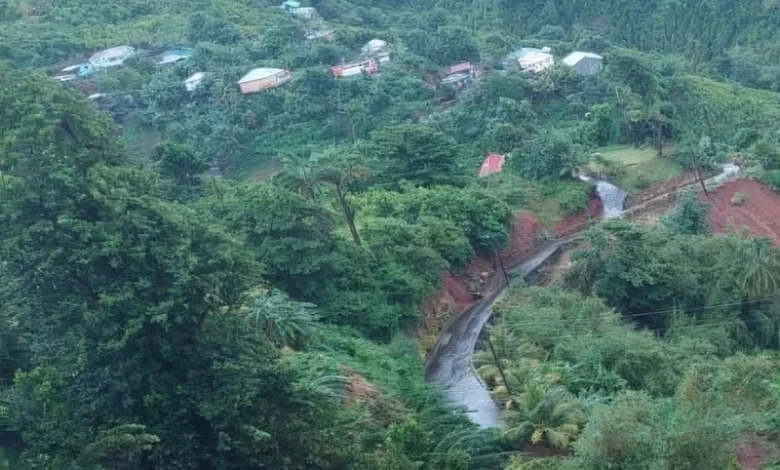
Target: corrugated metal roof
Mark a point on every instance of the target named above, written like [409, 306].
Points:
[493, 164]
[464, 67]
[195, 77]
[114, 52]
[259, 74]
[575, 57]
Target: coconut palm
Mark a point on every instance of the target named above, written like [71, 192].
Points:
[304, 177]
[758, 280]
[282, 320]
[551, 416]
[759, 273]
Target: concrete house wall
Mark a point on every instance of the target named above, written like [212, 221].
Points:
[588, 66]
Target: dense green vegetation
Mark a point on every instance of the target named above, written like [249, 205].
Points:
[643, 375]
[155, 317]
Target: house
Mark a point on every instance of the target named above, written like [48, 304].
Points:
[294, 8]
[375, 48]
[66, 78]
[113, 57]
[492, 164]
[369, 67]
[305, 13]
[290, 5]
[262, 78]
[511, 61]
[536, 62]
[172, 56]
[585, 63]
[78, 70]
[464, 67]
[194, 81]
[328, 35]
[459, 75]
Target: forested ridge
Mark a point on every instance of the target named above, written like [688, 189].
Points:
[207, 279]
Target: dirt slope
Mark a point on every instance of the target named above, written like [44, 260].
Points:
[760, 214]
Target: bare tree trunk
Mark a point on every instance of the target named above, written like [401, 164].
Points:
[350, 216]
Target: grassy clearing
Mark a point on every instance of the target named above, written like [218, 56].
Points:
[626, 155]
[634, 169]
[550, 201]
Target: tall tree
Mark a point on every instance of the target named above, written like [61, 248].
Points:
[414, 153]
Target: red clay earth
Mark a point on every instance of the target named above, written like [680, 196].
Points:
[456, 293]
[579, 221]
[760, 213]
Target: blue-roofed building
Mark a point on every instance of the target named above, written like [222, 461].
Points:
[290, 6]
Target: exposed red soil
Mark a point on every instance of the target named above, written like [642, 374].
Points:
[760, 213]
[528, 231]
[453, 296]
[456, 293]
[754, 452]
[579, 221]
[749, 456]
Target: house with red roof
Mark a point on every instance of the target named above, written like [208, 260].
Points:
[368, 67]
[493, 164]
[459, 75]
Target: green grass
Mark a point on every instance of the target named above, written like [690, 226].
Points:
[626, 155]
[634, 169]
[550, 201]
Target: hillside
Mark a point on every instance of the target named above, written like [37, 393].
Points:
[231, 231]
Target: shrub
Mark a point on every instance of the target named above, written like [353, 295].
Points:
[739, 198]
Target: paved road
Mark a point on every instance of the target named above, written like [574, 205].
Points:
[449, 363]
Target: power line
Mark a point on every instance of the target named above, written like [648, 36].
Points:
[609, 333]
[621, 316]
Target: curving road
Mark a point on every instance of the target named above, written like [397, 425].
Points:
[449, 363]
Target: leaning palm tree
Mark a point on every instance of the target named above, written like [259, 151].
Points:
[283, 321]
[304, 177]
[551, 416]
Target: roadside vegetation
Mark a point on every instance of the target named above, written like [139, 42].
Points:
[205, 279]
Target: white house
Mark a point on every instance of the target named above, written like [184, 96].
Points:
[194, 81]
[113, 57]
[536, 61]
[585, 63]
[261, 78]
[375, 48]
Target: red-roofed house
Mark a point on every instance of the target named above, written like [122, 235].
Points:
[370, 67]
[492, 164]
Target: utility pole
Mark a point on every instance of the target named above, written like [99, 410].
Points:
[698, 175]
[501, 264]
[498, 364]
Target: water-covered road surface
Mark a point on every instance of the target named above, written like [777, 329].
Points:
[449, 363]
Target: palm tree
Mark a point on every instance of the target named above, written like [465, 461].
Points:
[759, 270]
[551, 416]
[303, 178]
[758, 280]
[282, 320]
